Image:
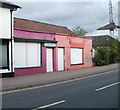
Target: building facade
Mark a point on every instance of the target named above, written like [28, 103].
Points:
[76, 52]
[6, 38]
[101, 38]
[41, 48]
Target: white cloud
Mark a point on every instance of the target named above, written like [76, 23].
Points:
[89, 15]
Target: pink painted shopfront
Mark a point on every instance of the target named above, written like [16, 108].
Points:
[73, 52]
[41, 48]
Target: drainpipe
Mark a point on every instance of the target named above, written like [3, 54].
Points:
[12, 71]
[12, 29]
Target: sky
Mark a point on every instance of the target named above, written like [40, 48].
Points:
[90, 15]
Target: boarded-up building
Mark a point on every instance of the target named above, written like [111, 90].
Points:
[41, 48]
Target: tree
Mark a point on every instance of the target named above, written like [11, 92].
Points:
[108, 52]
[79, 31]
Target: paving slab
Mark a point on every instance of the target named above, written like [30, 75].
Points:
[21, 82]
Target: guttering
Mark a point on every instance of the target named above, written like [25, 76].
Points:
[9, 5]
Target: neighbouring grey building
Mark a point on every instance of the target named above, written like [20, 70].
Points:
[100, 38]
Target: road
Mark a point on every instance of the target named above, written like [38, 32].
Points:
[93, 92]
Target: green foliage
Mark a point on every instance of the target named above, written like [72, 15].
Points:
[107, 52]
[79, 31]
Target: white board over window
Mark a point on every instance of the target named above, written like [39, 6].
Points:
[27, 54]
[20, 54]
[33, 54]
[76, 56]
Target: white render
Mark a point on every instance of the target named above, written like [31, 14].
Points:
[5, 23]
[104, 32]
[5, 32]
[6, 36]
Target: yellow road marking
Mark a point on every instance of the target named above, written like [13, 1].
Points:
[57, 83]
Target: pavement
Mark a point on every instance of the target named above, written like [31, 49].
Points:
[21, 82]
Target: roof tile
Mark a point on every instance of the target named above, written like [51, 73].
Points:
[29, 25]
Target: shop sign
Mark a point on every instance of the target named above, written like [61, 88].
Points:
[50, 44]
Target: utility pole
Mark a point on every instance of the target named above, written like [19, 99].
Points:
[111, 26]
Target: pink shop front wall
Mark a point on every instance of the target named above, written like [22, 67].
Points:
[33, 35]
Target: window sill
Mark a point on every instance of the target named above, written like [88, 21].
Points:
[3, 68]
[77, 64]
[28, 67]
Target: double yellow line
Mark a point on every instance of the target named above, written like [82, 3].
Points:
[47, 85]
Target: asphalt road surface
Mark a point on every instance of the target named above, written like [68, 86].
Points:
[94, 92]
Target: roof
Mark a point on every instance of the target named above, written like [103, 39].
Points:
[102, 33]
[29, 25]
[9, 5]
[110, 27]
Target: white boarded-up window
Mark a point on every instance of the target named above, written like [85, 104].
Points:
[27, 54]
[76, 56]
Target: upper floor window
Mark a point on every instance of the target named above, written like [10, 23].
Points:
[4, 54]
